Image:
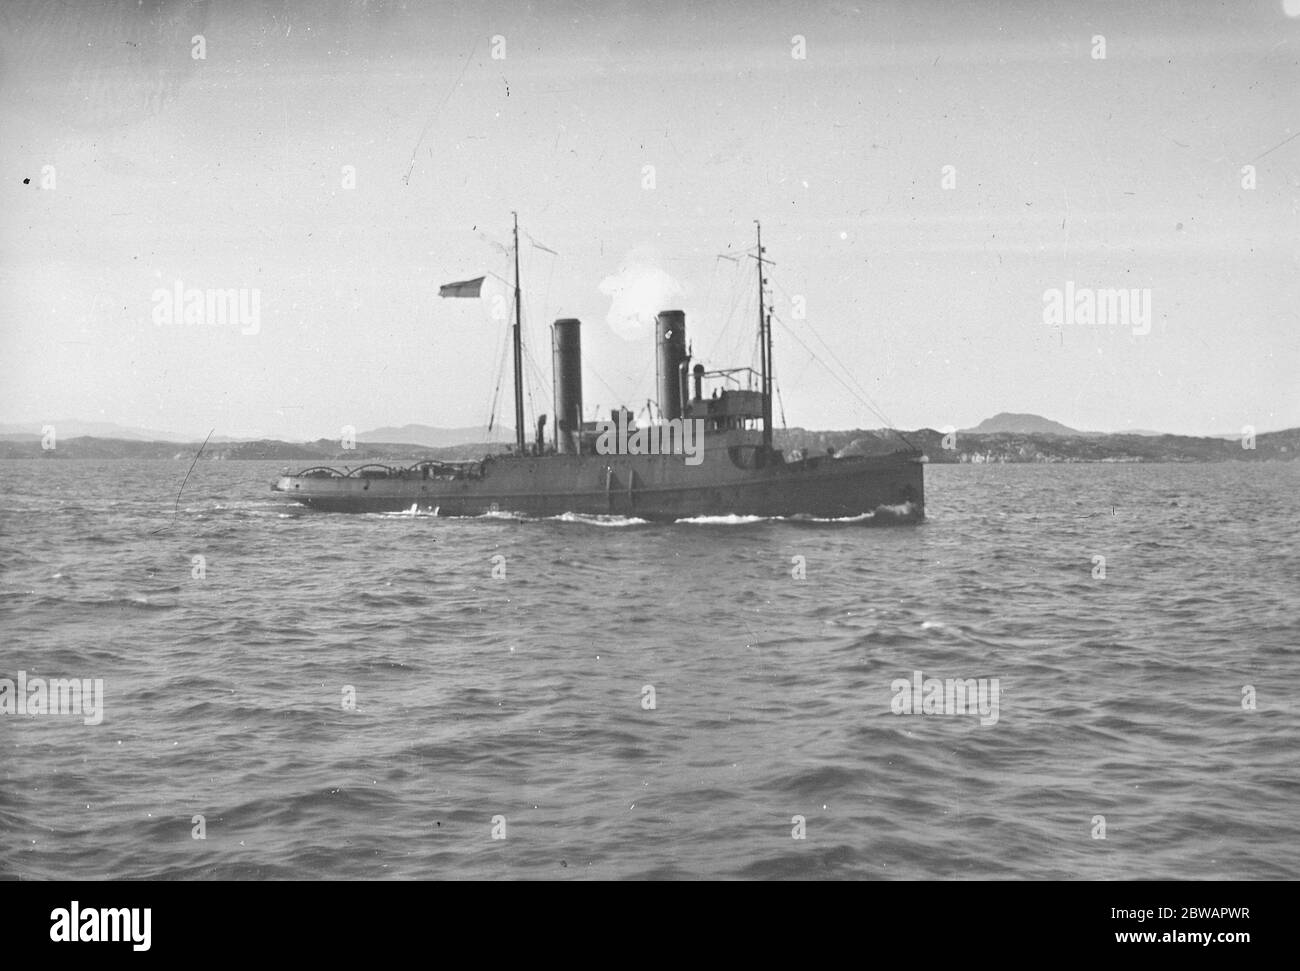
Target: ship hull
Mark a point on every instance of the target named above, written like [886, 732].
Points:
[656, 488]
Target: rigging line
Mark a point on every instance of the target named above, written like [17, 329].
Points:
[532, 407]
[831, 353]
[492, 403]
[546, 298]
[176, 508]
[825, 346]
[1275, 147]
[538, 380]
[874, 410]
[708, 294]
[505, 348]
[740, 308]
[780, 402]
[845, 384]
[647, 360]
[526, 334]
[713, 280]
[544, 249]
[599, 377]
[736, 296]
[501, 361]
[524, 346]
[501, 371]
[541, 382]
[452, 90]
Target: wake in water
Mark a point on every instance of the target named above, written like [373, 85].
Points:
[880, 515]
[730, 520]
[567, 517]
[586, 520]
[415, 512]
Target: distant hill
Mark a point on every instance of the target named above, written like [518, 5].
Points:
[432, 437]
[972, 447]
[423, 435]
[324, 451]
[10, 432]
[1007, 421]
[1017, 447]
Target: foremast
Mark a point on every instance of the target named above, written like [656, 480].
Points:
[519, 352]
[765, 343]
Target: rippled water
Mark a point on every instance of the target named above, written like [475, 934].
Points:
[524, 696]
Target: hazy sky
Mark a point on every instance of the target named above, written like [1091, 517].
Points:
[149, 166]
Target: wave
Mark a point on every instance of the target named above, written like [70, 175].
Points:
[415, 512]
[887, 513]
[598, 519]
[729, 520]
[903, 512]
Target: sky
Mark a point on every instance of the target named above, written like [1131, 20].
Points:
[931, 179]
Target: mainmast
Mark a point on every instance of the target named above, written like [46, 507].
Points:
[519, 366]
[765, 344]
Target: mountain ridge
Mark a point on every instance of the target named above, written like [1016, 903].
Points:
[937, 447]
[1023, 423]
[1015, 437]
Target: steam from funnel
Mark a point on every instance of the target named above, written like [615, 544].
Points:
[637, 292]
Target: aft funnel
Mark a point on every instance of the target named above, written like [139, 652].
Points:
[670, 344]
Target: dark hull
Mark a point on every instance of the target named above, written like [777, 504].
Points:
[653, 487]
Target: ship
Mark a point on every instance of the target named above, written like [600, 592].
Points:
[709, 454]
